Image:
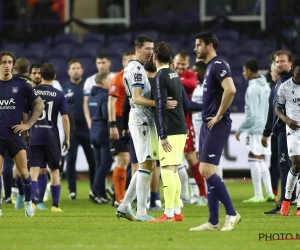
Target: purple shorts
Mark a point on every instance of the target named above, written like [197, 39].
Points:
[212, 142]
[12, 146]
[43, 155]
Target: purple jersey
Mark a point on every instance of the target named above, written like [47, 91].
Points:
[13, 94]
[45, 131]
[217, 70]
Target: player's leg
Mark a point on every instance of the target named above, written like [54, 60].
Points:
[154, 188]
[7, 178]
[42, 187]
[1, 164]
[274, 171]
[71, 166]
[293, 143]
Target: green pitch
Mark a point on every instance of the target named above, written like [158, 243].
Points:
[85, 225]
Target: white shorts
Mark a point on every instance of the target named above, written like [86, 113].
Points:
[253, 145]
[145, 141]
[293, 141]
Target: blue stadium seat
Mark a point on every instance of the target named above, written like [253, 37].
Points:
[60, 51]
[227, 48]
[85, 52]
[16, 48]
[60, 64]
[88, 65]
[237, 62]
[251, 48]
[170, 38]
[116, 49]
[227, 34]
[93, 38]
[151, 33]
[70, 38]
[116, 64]
[125, 38]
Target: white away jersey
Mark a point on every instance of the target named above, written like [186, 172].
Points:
[288, 95]
[135, 77]
[197, 117]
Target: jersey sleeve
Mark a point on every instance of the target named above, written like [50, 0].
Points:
[161, 105]
[64, 106]
[221, 70]
[281, 99]
[30, 92]
[114, 87]
[27, 107]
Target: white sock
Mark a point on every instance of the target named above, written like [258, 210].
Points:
[184, 183]
[256, 177]
[177, 210]
[194, 187]
[298, 193]
[142, 191]
[266, 177]
[220, 171]
[130, 193]
[169, 212]
[290, 184]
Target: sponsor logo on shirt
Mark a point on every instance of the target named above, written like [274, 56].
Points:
[7, 104]
[113, 88]
[223, 73]
[173, 75]
[218, 62]
[69, 94]
[15, 89]
[137, 77]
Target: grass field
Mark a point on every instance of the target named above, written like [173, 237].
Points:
[84, 225]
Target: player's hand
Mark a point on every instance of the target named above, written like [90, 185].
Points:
[171, 104]
[114, 133]
[292, 123]
[66, 145]
[264, 141]
[213, 121]
[237, 135]
[166, 145]
[26, 136]
[126, 132]
[18, 129]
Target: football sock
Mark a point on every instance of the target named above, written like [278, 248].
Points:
[153, 196]
[218, 187]
[266, 177]
[142, 191]
[34, 186]
[169, 184]
[119, 179]
[290, 184]
[42, 186]
[199, 179]
[184, 183]
[19, 185]
[26, 184]
[177, 209]
[213, 206]
[55, 193]
[194, 187]
[256, 177]
[131, 193]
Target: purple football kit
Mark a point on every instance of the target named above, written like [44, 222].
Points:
[44, 143]
[13, 94]
[210, 151]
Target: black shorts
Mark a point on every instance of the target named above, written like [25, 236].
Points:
[12, 146]
[118, 146]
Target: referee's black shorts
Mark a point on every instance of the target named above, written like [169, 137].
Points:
[118, 146]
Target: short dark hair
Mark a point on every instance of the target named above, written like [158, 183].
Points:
[48, 71]
[149, 66]
[100, 77]
[34, 66]
[272, 57]
[208, 37]
[201, 64]
[7, 53]
[252, 65]
[22, 65]
[73, 61]
[140, 40]
[163, 51]
[183, 53]
[103, 56]
[296, 63]
[284, 52]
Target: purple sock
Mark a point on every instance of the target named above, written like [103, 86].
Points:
[153, 197]
[42, 185]
[26, 183]
[55, 192]
[213, 206]
[34, 186]
[19, 185]
[218, 187]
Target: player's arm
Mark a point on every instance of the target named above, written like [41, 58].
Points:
[86, 111]
[138, 99]
[227, 97]
[113, 131]
[66, 127]
[37, 110]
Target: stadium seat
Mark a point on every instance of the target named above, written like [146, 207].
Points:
[250, 48]
[60, 51]
[70, 38]
[170, 38]
[60, 64]
[151, 33]
[226, 48]
[227, 34]
[116, 49]
[176, 46]
[16, 48]
[88, 38]
[116, 64]
[125, 38]
[85, 52]
[88, 65]
[264, 63]
[237, 62]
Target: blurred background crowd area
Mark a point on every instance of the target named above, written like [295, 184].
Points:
[58, 30]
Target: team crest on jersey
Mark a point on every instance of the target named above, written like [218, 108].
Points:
[223, 72]
[15, 89]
